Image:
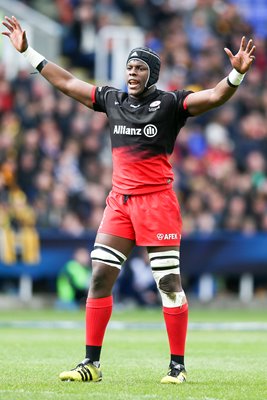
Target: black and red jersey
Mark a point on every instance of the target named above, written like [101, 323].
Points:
[143, 132]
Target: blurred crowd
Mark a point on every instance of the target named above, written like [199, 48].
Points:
[55, 160]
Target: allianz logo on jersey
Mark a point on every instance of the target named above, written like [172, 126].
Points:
[148, 130]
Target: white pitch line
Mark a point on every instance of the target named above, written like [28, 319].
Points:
[119, 325]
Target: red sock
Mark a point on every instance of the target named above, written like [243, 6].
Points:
[98, 313]
[176, 320]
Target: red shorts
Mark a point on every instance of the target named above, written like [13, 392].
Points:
[152, 219]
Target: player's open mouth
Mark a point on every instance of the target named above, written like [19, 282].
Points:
[133, 84]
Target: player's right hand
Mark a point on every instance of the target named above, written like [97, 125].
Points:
[15, 33]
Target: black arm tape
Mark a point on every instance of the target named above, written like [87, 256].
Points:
[228, 81]
[41, 65]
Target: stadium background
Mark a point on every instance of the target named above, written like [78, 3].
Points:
[55, 164]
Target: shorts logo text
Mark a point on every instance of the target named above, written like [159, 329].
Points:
[167, 236]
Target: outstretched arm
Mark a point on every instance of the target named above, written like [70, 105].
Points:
[200, 102]
[57, 76]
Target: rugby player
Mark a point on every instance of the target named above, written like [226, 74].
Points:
[142, 208]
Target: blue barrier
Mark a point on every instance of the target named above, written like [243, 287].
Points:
[224, 253]
[56, 249]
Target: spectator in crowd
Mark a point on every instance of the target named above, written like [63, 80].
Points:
[38, 123]
[73, 280]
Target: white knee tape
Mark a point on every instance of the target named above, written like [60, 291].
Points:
[162, 264]
[174, 299]
[107, 255]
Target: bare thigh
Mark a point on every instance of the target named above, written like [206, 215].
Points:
[104, 276]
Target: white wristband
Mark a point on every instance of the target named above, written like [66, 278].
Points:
[33, 56]
[235, 77]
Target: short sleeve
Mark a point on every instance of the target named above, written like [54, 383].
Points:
[181, 96]
[100, 98]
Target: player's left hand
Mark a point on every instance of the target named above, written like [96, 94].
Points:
[15, 33]
[243, 59]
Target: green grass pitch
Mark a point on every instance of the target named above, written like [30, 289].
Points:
[222, 364]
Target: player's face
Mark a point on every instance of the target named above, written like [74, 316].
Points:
[136, 77]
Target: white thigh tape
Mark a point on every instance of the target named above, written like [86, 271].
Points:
[107, 255]
[164, 260]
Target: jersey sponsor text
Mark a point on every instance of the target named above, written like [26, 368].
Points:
[149, 130]
[123, 130]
